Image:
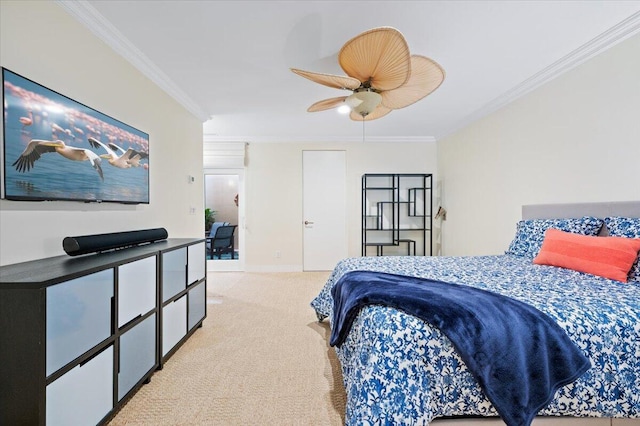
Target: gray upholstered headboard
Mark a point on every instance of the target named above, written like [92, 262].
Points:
[601, 210]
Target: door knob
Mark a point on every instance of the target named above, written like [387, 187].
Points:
[306, 222]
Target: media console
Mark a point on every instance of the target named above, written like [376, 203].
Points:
[79, 336]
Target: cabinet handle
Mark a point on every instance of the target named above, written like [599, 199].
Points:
[113, 315]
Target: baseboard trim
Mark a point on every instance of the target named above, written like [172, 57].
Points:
[274, 268]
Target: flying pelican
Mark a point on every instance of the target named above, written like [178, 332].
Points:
[37, 147]
[55, 129]
[26, 121]
[130, 158]
[134, 156]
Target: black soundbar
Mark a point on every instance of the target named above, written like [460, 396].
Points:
[75, 246]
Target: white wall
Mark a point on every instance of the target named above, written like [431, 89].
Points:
[575, 139]
[274, 193]
[40, 41]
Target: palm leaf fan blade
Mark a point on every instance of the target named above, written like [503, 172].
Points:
[335, 81]
[379, 56]
[425, 77]
[327, 104]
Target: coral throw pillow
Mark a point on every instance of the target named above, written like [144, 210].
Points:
[609, 257]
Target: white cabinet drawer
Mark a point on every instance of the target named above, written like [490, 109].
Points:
[137, 354]
[84, 395]
[174, 323]
[136, 289]
[197, 263]
[174, 273]
[78, 317]
[197, 303]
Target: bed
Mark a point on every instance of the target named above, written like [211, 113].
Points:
[398, 369]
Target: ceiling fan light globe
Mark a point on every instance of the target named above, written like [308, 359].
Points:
[353, 100]
[370, 100]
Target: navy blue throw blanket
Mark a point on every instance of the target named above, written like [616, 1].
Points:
[518, 355]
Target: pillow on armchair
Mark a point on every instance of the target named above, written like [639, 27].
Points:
[215, 226]
[212, 233]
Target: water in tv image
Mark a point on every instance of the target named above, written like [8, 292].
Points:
[58, 149]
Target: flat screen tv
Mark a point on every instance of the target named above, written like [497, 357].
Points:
[55, 148]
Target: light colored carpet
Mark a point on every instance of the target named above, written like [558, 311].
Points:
[261, 358]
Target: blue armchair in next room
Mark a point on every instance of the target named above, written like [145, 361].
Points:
[221, 241]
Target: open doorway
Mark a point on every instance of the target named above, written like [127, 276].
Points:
[223, 197]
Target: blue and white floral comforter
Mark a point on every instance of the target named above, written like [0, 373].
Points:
[397, 369]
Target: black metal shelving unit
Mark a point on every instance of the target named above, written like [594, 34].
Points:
[397, 214]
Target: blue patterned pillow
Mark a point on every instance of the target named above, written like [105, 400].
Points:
[530, 233]
[626, 227]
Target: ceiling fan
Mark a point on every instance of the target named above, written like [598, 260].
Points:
[381, 73]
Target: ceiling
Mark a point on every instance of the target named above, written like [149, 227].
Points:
[228, 61]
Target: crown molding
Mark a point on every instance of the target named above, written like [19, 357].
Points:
[207, 137]
[625, 29]
[87, 15]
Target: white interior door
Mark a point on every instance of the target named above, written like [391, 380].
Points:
[324, 209]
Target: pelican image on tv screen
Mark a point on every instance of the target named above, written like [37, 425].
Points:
[55, 148]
